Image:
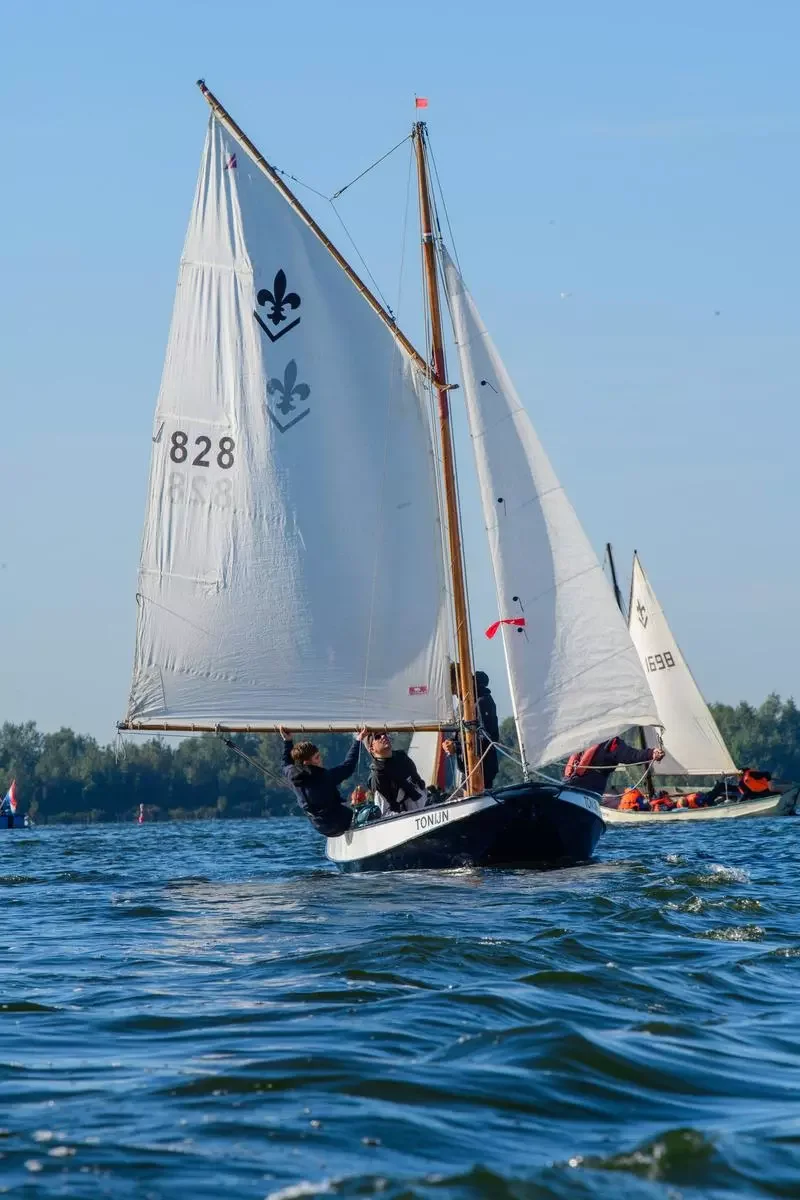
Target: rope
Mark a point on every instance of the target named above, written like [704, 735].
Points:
[362, 260]
[252, 761]
[330, 200]
[377, 162]
[307, 186]
[444, 202]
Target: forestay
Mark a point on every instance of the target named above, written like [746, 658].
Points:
[574, 674]
[292, 564]
[692, 740]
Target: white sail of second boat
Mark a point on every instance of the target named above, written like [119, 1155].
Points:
[292, 565]
[692, 740]
[575, 675]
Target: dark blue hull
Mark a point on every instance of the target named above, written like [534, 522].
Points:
[12, 821]
[530, 825]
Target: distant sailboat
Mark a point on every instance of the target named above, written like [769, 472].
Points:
[693, 743]
[10, 817]
[302, 561]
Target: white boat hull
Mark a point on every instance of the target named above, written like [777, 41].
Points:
[770, 806]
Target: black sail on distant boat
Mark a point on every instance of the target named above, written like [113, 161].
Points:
[301, 561]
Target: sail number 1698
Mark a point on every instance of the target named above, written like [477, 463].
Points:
[659, 662]
[179, 450]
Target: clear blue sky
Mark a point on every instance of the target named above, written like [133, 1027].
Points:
[644, 159]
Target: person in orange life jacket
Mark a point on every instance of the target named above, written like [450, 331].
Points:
[592, 769]
[754, 783]
[632, 800]
[364, 807]
[662, 802]
[394, 775]
[317, 787]
[703, 799]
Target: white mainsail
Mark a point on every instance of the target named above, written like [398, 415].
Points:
[292, 566]
[574, 674]
[692, 740]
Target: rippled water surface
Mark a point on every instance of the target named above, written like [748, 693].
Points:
[208, 1009]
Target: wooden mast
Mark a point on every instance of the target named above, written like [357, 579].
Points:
[648, 778]
[466, 675]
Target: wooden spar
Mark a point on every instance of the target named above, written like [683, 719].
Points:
[227, 120]
[466, 676]
[259, 727]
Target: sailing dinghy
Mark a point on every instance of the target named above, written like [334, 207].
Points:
[301, 561]
[692, 740]
[10, 818]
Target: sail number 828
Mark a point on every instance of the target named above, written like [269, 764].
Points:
[179, 450]
[659, 662]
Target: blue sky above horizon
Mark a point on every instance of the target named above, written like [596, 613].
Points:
[616, 177]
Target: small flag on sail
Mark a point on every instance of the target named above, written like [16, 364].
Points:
[421, 101]
[230, 165]
[9, 804]
[493, 628]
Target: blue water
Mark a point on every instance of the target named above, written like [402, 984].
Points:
[207, 1009]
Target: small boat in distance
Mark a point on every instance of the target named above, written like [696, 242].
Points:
[302, 562]
[10, 818]
[693, 743]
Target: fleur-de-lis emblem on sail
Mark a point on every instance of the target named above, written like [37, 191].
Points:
[642, 613]
[289, 393]
[279, 298]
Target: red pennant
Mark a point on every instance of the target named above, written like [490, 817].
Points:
[518, 621]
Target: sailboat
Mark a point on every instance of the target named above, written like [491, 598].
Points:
[693, 743]
[10, 818]
[302, 562]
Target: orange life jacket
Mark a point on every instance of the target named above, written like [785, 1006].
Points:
[691, 801]
[755, 781]
[661, 802]
[358, 795]
[632, 800]
[579, 764]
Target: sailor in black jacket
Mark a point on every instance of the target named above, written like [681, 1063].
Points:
[317, 787]
[394, 775]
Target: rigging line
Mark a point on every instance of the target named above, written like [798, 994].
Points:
[377, 162]
[455, 458]
[439, 468]
[444, 205]
[404, 238]
[307, 186]
[373, 280]
[252, 761]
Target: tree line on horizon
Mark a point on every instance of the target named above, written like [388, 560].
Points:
[69, 777]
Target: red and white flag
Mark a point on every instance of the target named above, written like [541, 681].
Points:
[421, 101]
[10, 800]
[493, 628]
